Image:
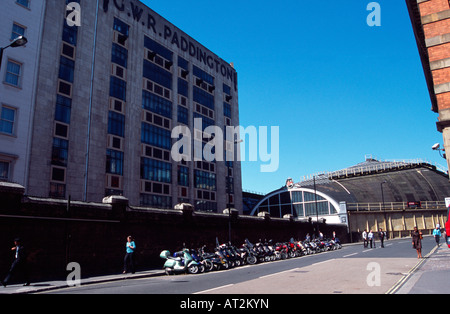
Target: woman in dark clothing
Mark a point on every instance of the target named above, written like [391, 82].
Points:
[416, 236]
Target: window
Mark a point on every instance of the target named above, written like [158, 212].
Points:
[7, 117]
[156, 136]
[58, 174]
[117, 88]
[13, 70]
[227, 110]
[116, 124]
[183, 176]
[60, 151]
[25, 3]
[4, 170]
[114, 162]
[66, 69]
[203, 98]
[62, 110]
[158, 201]
[70, 34]
[157, 74]
[121, 27]
[205, 180]
[119, 55]
[182, 115]
[156, 104]
[57, 190]
[155, 170]
[17, 30]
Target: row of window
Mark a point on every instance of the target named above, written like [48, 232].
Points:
[62, 114]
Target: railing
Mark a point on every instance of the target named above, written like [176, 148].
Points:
[395, 206]
[380, 166]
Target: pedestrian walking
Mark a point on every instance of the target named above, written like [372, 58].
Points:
[381, 235]
[437, 234]
[365, 239]
[19, 265]
[129, 260]
[417, 237]
[370, 236]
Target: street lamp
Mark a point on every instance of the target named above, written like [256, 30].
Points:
[384, 209]
[437, 147]
[18, 42]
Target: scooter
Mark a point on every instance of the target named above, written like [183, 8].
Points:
[181, 262]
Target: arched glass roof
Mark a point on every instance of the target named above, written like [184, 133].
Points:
[299, 202]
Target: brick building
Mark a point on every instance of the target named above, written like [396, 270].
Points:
[431, 24]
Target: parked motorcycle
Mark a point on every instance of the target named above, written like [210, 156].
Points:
[181, 262]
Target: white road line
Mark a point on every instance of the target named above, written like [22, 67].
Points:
[318, 263]
[350, 255]
[209, 290]
[275, 274]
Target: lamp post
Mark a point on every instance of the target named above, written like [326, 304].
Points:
[228, 185]
[384, 209]
[18, 42]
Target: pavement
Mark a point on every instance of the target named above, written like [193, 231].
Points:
[36, 287]
[428, 276]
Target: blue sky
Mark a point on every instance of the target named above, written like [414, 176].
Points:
[337, 88]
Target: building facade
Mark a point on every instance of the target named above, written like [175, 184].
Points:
[18, 75]
[115, 81]
[431, 25]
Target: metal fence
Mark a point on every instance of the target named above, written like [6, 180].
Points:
[395, 206]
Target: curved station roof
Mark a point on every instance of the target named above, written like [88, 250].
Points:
[371, 181]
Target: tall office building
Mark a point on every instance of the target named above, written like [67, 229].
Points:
[115, 79]
[18, 73]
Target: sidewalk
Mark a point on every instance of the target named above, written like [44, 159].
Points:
[431, 276]
[51, 285]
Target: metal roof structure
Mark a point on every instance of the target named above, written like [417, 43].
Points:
[371, 181]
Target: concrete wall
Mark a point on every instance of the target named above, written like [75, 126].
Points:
[399, 223]
[94, 235]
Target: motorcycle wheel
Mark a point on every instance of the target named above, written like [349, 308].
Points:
[193, 269]
[252, 260]
[209, 266]
[201, 268]
[168, 271]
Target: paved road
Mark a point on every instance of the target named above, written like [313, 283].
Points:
[352, 269]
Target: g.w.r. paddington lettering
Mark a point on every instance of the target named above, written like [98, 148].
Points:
[170, 34]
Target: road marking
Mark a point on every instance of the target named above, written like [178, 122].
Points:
[212, 289]
[411, 272]
[350, 255]
[318, 263]
[275, 274]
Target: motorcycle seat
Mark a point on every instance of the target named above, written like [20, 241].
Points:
[174, 258]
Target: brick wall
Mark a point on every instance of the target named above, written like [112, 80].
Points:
[94, 235]
[435, 16]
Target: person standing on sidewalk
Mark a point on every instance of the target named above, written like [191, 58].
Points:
[371, 239]
[129, 262]
[437, 234]
[416, 236]
[19, 264]
[381, 235]
[364, 235]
